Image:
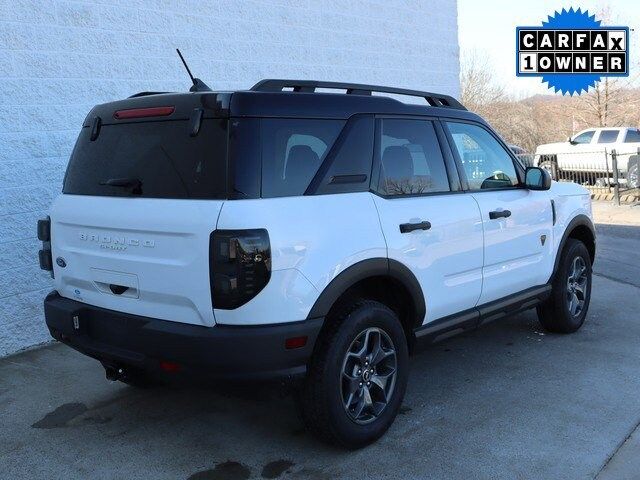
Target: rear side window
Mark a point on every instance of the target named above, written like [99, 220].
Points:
[410, 158]
[608, 136]
[292, 152]
[348, 165]
[633, 136]
[151, 160]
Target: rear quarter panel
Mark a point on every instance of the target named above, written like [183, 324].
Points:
[313, 239]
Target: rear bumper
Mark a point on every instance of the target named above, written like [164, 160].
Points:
[231, 352]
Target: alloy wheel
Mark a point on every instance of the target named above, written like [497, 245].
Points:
[369, 373]
[577, 286]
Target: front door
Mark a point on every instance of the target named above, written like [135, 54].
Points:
[437, 233]
[517, 222]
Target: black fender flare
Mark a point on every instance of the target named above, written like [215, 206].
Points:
[577, 221]
[371, 267]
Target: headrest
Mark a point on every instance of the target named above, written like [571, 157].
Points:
[302, 162]
[397, 162]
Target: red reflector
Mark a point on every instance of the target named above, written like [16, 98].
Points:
[143, 112]
[170, 367]
[295, 342]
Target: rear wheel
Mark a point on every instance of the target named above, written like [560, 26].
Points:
[357, 377]
[566, 308]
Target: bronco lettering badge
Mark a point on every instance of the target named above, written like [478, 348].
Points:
[115, 242]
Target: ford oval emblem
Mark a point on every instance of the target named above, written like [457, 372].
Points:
[61, 263]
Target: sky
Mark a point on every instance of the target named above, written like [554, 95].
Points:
[489, 27]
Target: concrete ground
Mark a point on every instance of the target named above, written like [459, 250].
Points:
[506, 401]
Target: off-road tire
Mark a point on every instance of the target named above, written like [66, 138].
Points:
[321, 398]
[555, 314]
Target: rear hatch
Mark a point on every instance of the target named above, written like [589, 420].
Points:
[141, 196]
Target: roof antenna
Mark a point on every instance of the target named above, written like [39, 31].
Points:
[198, 85]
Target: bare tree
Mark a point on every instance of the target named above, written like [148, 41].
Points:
[478, 87]
[611, 102]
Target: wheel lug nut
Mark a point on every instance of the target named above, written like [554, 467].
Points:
[361, 384]
[368, 384]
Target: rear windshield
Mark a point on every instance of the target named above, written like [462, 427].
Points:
[152, 160]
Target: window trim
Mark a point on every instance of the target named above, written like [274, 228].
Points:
[517, 166]
[452, 179]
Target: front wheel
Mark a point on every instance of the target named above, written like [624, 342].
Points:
[357, 377]
[566, 309]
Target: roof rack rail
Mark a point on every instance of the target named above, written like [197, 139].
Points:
[309, 86]
[145, 94]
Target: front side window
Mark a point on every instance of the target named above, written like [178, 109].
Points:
[410, 158]
[292, 152]
[486, 163]
[633, 136]
[584, 137]
[608, 136]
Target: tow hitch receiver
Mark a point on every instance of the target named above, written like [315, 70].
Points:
[114, 373]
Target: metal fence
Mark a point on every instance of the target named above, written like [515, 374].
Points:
[604, 172]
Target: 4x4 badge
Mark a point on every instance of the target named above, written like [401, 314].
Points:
[76, 322]
[61, 263]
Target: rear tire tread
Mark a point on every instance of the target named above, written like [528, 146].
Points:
[316, 417]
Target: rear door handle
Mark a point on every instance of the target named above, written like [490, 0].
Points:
[499, 214]
[410, 227]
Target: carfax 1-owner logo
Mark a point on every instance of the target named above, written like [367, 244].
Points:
[571, 51]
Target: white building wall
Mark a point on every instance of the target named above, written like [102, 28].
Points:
[58, 58]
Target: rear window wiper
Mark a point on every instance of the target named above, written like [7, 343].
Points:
[135, 184]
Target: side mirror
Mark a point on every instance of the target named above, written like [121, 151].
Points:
[571, 141]
[536, 178]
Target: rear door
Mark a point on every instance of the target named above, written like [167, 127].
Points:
[131, 230]
[428, 223]
[517, 222]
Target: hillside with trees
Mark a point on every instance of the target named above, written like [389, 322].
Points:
[542, 119]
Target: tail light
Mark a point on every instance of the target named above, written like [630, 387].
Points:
[239, 266]
[44, 235]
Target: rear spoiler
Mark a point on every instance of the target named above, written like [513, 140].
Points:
[152, 106]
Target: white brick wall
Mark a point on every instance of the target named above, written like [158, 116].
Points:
[58, 58]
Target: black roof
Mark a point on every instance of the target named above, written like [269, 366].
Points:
[290, 98]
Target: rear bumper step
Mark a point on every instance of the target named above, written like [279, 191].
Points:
[231, 352]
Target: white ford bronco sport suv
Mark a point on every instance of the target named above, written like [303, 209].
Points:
[286, 232]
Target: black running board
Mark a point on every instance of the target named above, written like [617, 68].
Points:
[471, 319]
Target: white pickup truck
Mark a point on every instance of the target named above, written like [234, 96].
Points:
[591, 151]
